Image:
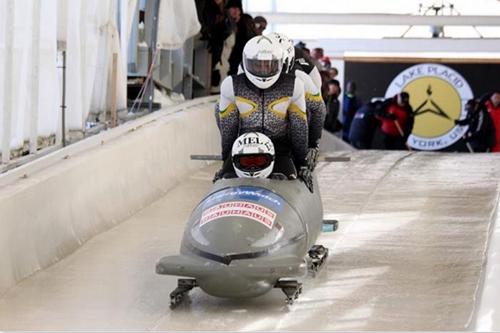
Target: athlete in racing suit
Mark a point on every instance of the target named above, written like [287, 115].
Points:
[265, 100]
[304, 62]
[315, 106]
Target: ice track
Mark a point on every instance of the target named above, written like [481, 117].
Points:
[409, 255]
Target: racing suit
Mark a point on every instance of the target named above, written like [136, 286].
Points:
[315, 106]
[278, 112]
[304, 62]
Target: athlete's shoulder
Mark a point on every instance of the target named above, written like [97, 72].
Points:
[298, 86]
[226, 87]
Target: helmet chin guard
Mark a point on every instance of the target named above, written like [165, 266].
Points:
[253, 155]
[262, 61]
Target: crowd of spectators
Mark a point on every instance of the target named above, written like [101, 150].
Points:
[394, 120]
[358, 123]
[227, 29]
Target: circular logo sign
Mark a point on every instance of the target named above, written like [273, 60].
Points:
[437, 95]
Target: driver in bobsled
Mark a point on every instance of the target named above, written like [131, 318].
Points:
[263, 99]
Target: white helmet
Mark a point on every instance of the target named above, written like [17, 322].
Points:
[253, 155]
[287, 47]
[262, 61]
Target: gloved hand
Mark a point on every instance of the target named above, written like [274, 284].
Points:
[218, 175]
[306, 175]
[312, 158]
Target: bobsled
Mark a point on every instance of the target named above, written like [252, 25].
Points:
[255, 230]
[248, 236]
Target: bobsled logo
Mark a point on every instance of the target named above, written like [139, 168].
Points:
[248, 193]
[437, 95]
[239, 209]
[253, 141]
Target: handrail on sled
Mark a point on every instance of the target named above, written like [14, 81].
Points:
[321, 158]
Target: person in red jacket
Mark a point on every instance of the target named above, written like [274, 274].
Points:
[493, 106]
[396, 121]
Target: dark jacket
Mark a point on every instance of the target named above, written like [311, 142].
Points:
[245, 30]
[332, 124]
[481, 132]
[363, 125]
[349, 107]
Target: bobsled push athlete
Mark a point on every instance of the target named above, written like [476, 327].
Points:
[315, 106]
[264, 99]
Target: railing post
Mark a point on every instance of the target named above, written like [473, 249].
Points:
[63, 100]
[152, 15]
[114, 70]
[8, 81]
[35, 77]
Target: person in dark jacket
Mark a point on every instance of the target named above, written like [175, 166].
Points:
[332, 123]
[364, 125]
[216, 27]
[245, 30]
[260, 24]
[397, 121]
[480, 136]
[349, 107]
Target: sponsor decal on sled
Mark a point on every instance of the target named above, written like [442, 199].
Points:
[244, 209]
[247, 193]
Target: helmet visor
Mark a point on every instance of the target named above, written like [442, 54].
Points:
[252, 162]
[263, 68]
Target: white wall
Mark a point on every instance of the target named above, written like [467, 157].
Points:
[53, 211]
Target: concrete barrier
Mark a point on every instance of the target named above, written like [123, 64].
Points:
[51, 206]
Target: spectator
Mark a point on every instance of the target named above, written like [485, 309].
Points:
[216, 28]
[260, 24]
[245, 30]
[493, 106]
[325, 63]
[211, 15]
[397, 122]
[480, 136]
[332, 123]
[349, 107]
[325, 79]
[364, 125]
[334, 72]
[317, 54]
